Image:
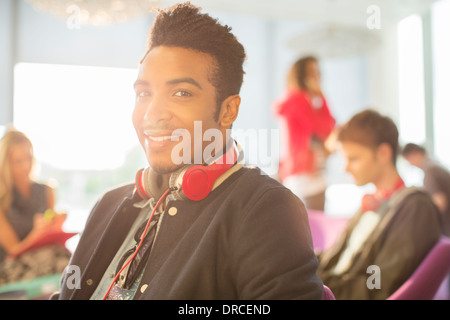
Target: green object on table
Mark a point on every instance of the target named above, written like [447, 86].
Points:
[33, 288]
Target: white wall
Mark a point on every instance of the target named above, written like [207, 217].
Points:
[383, 74]
[45, 39]
[6, 60]
[30, 36]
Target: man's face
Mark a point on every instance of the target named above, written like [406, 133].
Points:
[362, 162]
[172, 91]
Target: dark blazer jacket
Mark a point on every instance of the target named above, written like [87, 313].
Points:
[410, 225]
[249, 239]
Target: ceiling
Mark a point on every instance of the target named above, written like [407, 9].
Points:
[354, 13]
[328, 27]
[349, 12]
[332, 28]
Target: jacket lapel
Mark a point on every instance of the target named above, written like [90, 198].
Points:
[373, 242]
[115, 233]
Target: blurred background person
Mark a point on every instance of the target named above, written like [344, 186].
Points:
[307, 123]
[436, 179]
[394, 228]
[22, 205]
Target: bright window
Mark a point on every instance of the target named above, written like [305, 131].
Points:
[79, 121]
[78, 117]
[411, 75]
[441, 54]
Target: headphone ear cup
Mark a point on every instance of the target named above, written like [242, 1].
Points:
[192, 182]
[154, 183]
[197, 182]
[150, 184]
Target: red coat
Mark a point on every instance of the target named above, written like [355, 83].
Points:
[300, 122]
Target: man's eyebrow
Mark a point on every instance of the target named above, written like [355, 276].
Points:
[141, 83]
[174, 81]
[187, 80]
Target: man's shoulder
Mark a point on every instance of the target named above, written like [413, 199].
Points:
[120, 191]
[117, 193]
[114, 196]
[436, 171]
[253, 176]
[251, 183]
[411, 194]
[413, 197]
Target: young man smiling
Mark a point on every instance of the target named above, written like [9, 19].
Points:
[173, 91]
[395, 227]
[248, 238]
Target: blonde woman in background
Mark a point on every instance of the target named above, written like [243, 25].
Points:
[22, 204]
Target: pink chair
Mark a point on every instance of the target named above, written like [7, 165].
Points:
[327, 294]
[426, 280]
[325, 229]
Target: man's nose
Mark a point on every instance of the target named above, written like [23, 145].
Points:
[347, 167]
[156, 111]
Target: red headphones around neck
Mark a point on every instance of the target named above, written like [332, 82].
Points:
[371, 202]
[190, 182]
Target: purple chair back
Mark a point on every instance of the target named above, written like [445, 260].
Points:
[327, 294]
[325, 229]
[426, 280]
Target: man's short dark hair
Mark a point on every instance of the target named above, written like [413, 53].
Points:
[183, 25]
[371, 129]
[412, 147]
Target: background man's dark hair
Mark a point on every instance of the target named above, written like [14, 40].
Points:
[412, 147]
[183, 25]
[370, 128]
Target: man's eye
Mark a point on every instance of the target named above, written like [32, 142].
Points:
[141, 94]
[182, 93]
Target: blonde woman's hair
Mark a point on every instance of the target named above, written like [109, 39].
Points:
[11, 138]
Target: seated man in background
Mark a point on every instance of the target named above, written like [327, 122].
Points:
[436, 179]
[395, 227]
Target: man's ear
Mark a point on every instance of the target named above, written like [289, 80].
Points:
[229, 111]
[384, 153]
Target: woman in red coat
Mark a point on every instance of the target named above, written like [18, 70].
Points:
[307, 123]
